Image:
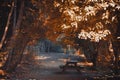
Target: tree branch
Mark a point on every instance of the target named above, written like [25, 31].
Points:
[7, 25]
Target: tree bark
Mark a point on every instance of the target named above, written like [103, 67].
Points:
[17, 44]
[91, 51]
[16, 53]
[95, 54]
[115, 44]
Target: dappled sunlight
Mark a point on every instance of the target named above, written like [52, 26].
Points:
[41, 57]
[82, 55]
[85, 64]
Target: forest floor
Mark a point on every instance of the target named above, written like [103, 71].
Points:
[45, 66]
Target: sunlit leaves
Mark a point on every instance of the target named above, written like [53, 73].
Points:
[90, 10]
[94, 36]
[105, 15]
[92, 17]
[56, 4]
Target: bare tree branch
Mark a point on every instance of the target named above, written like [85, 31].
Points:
[7, 25]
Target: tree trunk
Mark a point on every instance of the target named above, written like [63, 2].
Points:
[95, 54]
[15, 55]
[16, 44]
[115, 44]
[91, 51]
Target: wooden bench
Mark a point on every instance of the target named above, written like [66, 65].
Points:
[71, 65]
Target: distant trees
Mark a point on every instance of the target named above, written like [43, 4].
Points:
[45, 45]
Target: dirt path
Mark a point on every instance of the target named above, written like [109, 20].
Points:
[46, 67]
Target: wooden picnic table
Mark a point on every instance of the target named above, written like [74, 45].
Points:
[71, 64]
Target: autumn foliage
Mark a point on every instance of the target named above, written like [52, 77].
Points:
[88, 24]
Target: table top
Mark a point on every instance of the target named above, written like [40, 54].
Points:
[72, 61]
